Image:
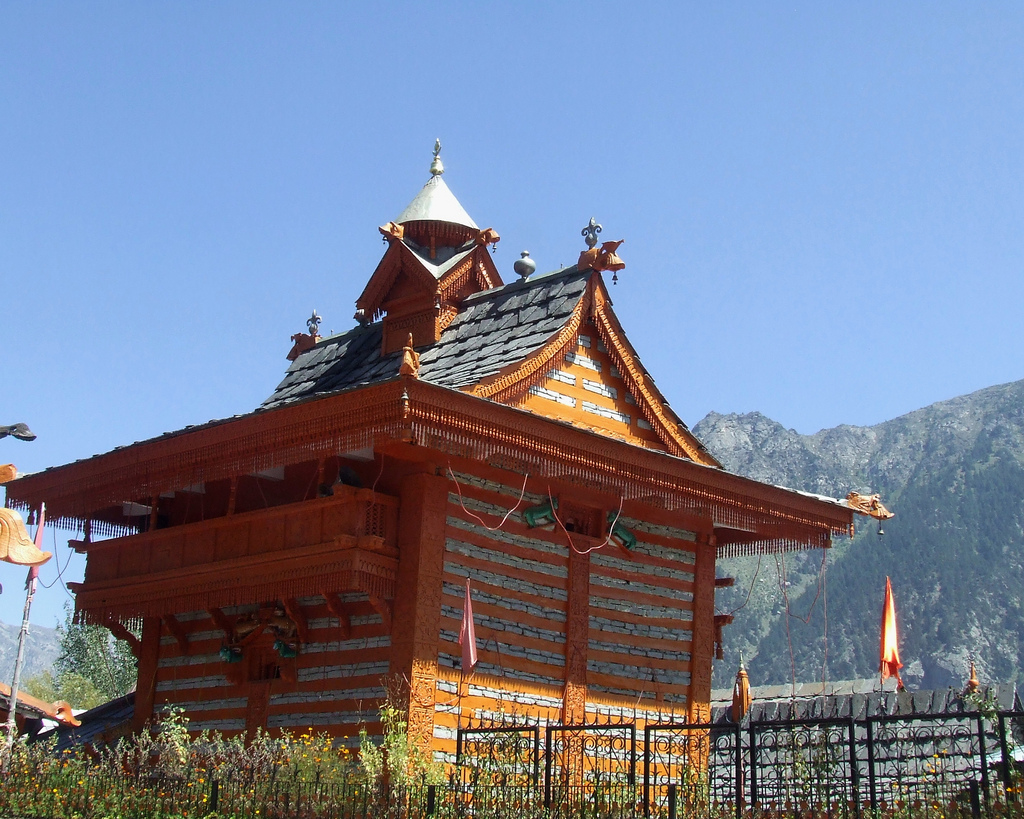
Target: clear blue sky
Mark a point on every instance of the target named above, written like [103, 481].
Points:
[822, 206]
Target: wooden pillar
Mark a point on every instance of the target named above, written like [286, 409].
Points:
[145, 686]
[256, 708]
[577, 638]
[422, 518]
[703, 646]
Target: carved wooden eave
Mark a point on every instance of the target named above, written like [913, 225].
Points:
[398, 259]
[513, 383]
[472, 273]
[412, 418]
[415, 296]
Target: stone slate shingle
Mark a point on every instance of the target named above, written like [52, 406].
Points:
[494, 329]
[845, 700]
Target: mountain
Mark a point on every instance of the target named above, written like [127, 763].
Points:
[953, 473]
[41, 651]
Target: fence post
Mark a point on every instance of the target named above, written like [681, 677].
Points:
[214, 795]
[647, 770]
[854, 767]
[1004, 750]
[672, 800]
[975, 799]
[431, 799]
[753, 766]
[536, 755]
[547, 766]
[738, 790]
[632, 754]
[983, 758]
[871, 763]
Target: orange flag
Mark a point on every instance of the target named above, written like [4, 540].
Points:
[890, 665]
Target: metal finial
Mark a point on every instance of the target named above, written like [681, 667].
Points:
[313, 323]
[437, 166]
[525, 266]
[590, 233]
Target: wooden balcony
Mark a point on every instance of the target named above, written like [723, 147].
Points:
[347, 542]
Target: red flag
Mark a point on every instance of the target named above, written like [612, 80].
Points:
[33, 572]
[890, 665]
[467, 635]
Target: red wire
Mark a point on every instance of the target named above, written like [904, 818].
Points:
[479, 520]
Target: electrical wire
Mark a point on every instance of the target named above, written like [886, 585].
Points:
[381, 472]
[754, 580]
[458, 488]
[784, 589]
[824, 615]
[607, 540]
[60, 571]
[789, 635]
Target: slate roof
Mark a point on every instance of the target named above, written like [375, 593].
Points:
[495, 328]
[105, 722]
[858, 698]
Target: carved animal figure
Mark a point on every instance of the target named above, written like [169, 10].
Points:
[15, 544]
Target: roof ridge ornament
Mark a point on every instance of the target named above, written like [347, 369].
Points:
[525, 266]
[604, 259]
[410, 360]
[437, 166]
[306, 341]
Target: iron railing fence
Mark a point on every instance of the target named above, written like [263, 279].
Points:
[904, 767]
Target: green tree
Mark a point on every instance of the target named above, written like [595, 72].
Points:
[92, 667]
[73, 688]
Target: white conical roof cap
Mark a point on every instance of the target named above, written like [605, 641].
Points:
[436, 203]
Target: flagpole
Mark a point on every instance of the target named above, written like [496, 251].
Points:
[12, 710]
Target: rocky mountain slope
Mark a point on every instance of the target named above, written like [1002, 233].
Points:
[954, 474]
[41, 651]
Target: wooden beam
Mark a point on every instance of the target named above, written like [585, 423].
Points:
[294, 610]
[177, 631]
[336, 607]
[724, 582]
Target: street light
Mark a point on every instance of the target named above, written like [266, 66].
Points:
[19, 431]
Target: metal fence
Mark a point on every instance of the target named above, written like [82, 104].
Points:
[905, 767]
[920, 766]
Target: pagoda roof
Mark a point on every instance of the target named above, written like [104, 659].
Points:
[494, 328]
[436, 203]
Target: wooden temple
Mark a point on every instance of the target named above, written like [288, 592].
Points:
[292, 567]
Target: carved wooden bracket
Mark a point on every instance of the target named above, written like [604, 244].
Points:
[221, 621]
[294, 610]
[721, 620]
[336, 607]
[177, 631]
[383, 608]
[118, 629]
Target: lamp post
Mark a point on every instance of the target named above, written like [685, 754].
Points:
[34, 558]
